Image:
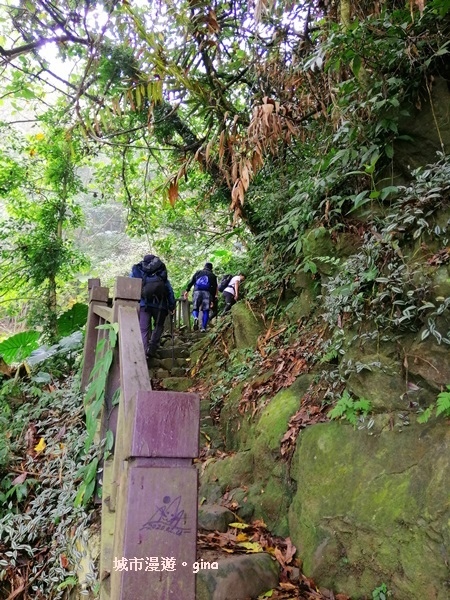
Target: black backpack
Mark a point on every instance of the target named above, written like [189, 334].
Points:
[154, 267]
[224, 282]
[154, 290]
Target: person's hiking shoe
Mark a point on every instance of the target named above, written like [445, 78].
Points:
[202, 330]
[195, 324]
[151, 352]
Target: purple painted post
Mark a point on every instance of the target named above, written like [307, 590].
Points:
[156, 518]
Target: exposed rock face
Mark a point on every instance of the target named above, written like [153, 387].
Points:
[246, 326]
[427, 127]
[374, 508]
[256, 477]
[364, 507]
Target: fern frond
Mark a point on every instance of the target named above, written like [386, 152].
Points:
[443, 404]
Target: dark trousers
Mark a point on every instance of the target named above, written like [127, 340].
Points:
[229, 301]
[151, 323]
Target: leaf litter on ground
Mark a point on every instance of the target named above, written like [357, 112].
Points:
[243, 538]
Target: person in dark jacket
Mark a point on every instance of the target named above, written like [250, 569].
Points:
[204, 283]
[155, 305]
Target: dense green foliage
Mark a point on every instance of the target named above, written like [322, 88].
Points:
[43, 467]
[200, 108]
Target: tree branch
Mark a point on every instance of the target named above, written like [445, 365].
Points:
[26, 48]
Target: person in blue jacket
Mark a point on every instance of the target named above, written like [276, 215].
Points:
[156, 302]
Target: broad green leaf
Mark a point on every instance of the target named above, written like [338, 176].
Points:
[72, 319]
[18, 347]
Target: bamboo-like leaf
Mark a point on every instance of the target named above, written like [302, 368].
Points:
[138, 97]
[245, 177]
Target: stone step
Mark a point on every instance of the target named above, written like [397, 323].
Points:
[238, 577]
[214, 517]
[176, 383]
[176, 351]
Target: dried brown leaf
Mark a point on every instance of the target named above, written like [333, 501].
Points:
[173, 192]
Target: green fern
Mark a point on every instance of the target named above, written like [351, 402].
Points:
[425, 416]
[443, 403]
[349, 409]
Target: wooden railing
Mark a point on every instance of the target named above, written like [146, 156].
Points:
[149, 496]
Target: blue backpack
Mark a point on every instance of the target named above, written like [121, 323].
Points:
[202, 283]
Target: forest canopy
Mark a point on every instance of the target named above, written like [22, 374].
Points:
[239, 121]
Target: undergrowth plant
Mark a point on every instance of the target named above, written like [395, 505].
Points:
[351, 410]
[49, 460]
[442, 407]
[42, 532]
[385, 281]
[381, 592]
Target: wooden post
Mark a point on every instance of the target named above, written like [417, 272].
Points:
[98, 296]
[186, 312]
[133, 376]
[156, 519]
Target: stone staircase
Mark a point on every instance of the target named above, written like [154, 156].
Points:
[171, 365]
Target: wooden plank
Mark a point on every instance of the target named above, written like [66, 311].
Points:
[104, 313]
[186, 312]
[134, 377]
[93, 282]
[167, 426]
[133, 363]
[127, 288]
[98, 297]
[107, 533]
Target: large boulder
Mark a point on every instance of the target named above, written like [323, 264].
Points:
[246, 326]
[425, 131]
[379, 379]
[374, 508]
[429, 360]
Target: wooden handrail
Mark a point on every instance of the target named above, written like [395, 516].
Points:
[104, 313]
[153, 432]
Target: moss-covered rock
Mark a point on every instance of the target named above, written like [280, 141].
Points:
[429, 360]
[423, 133]
[318, 247]
[302, 305]
[238, 577]
[259, 470]
[246, 326]
[177, 384]
[441, 282]
[381, 381]
[373, 508]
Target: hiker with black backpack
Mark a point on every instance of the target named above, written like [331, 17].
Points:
[157, 300]
[204, 283]
[229, 286]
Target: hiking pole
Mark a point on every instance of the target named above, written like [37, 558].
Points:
[171, 331]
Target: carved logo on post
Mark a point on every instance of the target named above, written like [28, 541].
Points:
[168, 517]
